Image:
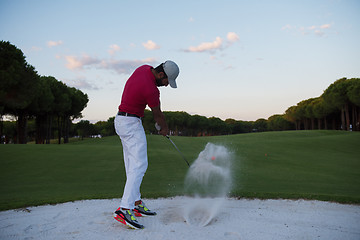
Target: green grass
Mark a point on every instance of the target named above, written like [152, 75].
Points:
[323, 165]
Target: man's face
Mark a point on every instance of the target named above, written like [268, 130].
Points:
[162, 80]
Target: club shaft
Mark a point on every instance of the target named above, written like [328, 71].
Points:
[178, 150]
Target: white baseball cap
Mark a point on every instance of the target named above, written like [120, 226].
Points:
[172, 71]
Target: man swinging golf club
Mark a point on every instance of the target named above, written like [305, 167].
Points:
[141, 89]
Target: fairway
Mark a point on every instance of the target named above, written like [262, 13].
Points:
[321, 165]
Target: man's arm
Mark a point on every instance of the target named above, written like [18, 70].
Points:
[160, 119]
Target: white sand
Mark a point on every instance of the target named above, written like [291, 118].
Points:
[236, 219]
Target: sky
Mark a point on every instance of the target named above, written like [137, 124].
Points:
[238, 59]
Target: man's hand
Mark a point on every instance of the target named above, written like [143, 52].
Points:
[164, 132]
[158, 127]
[160, 120]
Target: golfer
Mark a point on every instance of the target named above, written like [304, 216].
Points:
[141, 89]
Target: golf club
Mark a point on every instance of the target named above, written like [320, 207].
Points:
[178, 150]
[157, 126]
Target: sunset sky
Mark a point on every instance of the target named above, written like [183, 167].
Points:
[238, 59]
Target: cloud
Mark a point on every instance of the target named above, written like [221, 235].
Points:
[150, 45]
[119, 66]
[113, 49]
[232, 37]
[319, 30]
[54, 43]
[316, 30]
[73, 62]
[81, 83]
[79, 63]
[125, 66]
[325, 26]
[217, 44]
[207, 46]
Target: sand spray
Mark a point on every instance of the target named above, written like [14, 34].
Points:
[207, 184]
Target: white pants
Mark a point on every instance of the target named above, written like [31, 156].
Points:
[133, 139]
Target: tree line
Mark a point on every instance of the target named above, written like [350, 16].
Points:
[25, 95]
[338, 108]
[180, 124]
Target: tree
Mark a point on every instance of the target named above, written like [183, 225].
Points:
[19, 83]
[309, 111]
[217, 126]
[25, 95]
[260, 125]
[353, 93]
[79, 101]
[300, 113]
[105, 128]
[85, 129]
[236, 127]
[41, 109]
[197, 125]
[339, 103]
[278, 122]
[320, 112]
[9, 132]
[292, 116]
[336, 95]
